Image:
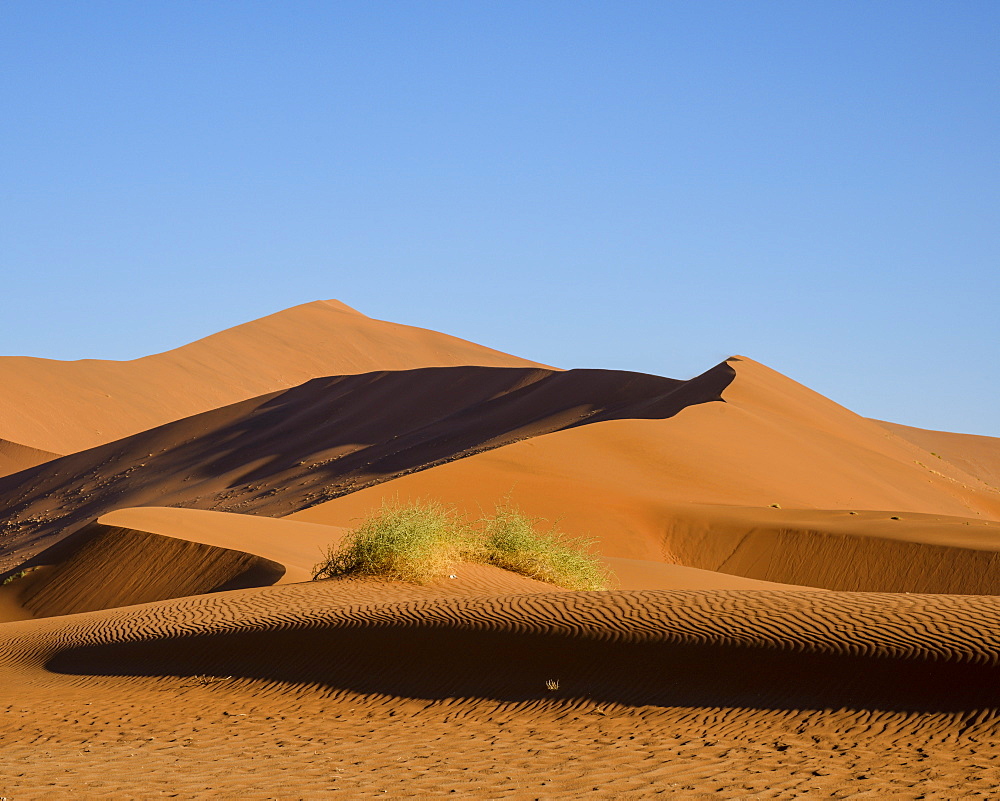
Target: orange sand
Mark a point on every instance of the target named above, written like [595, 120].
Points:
[69, 406]
[805, 602]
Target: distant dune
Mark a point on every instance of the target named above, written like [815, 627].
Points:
[65, 407]
[977, 456]
[803, 602]
[15, 457]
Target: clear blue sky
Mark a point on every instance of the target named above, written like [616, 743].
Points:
[641, 185]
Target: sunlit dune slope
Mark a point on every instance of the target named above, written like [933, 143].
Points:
[285, 451]
[63, 407]
[15, 457]
[773, 441]
[975, 455]
[658, 490]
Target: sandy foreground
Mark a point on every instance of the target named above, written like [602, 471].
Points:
[806, 603]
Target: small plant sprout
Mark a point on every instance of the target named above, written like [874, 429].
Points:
[20, 574]
[552, 684]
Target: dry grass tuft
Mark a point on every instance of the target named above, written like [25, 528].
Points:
[424, 541]
[513, 542]
[418, 543]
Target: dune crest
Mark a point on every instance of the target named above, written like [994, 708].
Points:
[66, 407]
[286, 451]
[15, 457]
[977, 456]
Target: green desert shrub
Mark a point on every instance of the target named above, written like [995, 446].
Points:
[423, 541]
[418, 542]
[20, 574]
[511, 540]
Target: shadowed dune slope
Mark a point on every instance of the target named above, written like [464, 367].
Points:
[296, 546]
[65, 406]
[867, 551]
[285, 451]
[684, 490]
[15, 457]
[148, 554]
[978, 456]
[120, 567]
[781, 650]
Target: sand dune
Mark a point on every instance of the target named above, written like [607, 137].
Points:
[914, 648]
[977, 456]
[135, 556]
[698, 489]
[863, 551]
[15, 457]
[122, 567]
[65, 407]
[649, 684]
[296, 546]
[623, 457]
[772, 441]
[806, 602]
[285, 451]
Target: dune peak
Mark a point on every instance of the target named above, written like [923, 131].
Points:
[338, 305]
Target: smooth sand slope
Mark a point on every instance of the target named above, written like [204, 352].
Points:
[285, 451]
[977, 456]
[15, 457]
[64, 407]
